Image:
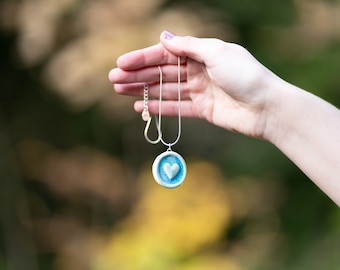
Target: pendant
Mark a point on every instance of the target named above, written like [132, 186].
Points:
[169, 169]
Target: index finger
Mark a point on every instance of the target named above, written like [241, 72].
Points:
[150, 56]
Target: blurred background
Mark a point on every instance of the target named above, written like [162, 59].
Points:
[76, 190]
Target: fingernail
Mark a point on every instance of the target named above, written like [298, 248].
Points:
[168, 35]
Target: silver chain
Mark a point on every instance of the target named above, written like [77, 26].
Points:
[146, 114]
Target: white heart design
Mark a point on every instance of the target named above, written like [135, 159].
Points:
[171, 170]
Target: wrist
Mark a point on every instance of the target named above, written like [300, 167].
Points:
[279, 109]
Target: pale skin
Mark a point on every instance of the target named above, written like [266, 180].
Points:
[225, 85]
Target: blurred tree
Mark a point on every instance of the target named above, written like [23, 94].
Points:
[183, 228]
[70, 154]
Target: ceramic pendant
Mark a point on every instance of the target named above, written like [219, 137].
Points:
[169, 169]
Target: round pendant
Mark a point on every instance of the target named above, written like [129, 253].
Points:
[169, 169]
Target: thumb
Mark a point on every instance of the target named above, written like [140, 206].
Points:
[195, 48]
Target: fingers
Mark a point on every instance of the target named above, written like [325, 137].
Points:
[169, 108]
[167, 51]
[199, 49]
[169, 90]
[148, 74]
[150, 56]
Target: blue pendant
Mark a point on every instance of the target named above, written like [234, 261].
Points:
[169, 169]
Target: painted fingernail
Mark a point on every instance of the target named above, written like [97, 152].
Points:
[168, 35]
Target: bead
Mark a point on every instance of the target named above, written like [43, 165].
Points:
[145, 115]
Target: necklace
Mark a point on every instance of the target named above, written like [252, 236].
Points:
[169, 168]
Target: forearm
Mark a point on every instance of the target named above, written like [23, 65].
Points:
[307, 130]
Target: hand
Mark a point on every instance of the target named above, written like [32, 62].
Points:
[221, 82]
[224, 84]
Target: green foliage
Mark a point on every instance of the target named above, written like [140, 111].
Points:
[246, 15]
